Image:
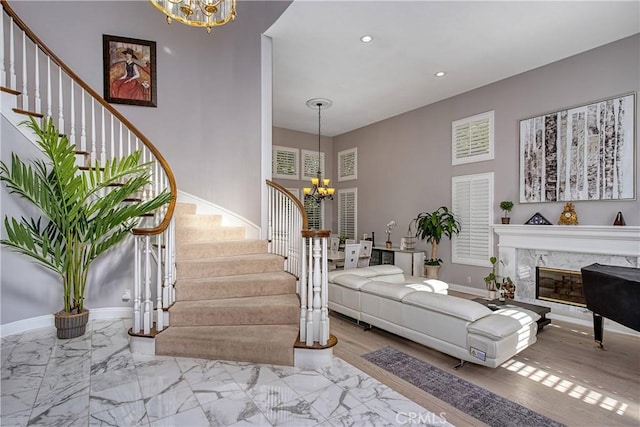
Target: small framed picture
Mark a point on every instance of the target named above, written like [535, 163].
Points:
[129, 71]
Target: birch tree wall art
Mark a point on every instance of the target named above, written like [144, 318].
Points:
[582, 153]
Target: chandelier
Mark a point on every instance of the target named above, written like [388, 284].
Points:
[198, 13]
[319, 189]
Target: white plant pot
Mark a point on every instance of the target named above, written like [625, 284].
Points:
[492, 295]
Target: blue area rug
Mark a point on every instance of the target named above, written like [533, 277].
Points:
[481, 404]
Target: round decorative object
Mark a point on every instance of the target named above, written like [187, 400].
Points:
[70, 325]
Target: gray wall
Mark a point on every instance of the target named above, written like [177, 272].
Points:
[404, 163]
[207, 123]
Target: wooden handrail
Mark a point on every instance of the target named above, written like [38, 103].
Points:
[171, 178]
[305, 222]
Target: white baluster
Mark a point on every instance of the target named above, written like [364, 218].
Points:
[112, 153]
[38, 101]
[166, 256]
[137, 324]
[159, 311]
[12, 57]
[25, 96]
[303, 299]
[83, 123]
[94, 155]
[49, 87]
[60, 102]
[72, 112]
[120, 141]
[103, 138]
[3, 72]
[309, 284]
[324, 291]
[146, 321]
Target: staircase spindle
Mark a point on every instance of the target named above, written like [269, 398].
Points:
[36, 65]
[3, 71]
[159, 311]
[12, 56]
[83, 122]
[94, 157]
[72, 107]
[49, 113]
[103, 138]
[25, 95]
[60, 102]
[112, 145]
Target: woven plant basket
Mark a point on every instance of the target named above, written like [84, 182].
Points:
[70, 325]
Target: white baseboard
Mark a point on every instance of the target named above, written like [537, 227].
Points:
[228, 218]
[46, 321]
[468, 290]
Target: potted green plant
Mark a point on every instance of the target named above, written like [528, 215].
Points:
[431, 226]
[491, 279]
[83, 214]
[506, 206]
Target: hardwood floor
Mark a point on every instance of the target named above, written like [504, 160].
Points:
[563, 376]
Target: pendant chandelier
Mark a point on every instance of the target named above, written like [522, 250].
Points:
[198, 13]
[319, 189]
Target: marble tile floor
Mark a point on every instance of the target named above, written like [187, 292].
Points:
[95, 380]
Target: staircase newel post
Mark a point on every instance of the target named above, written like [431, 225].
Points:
[309, 284]
[317, 286]
[324, 311]
[136, 286]
[159, 313]
[147, 285]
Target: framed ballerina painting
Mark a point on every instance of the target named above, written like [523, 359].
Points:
[129, 71]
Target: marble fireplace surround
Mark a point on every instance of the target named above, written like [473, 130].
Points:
[522, 248]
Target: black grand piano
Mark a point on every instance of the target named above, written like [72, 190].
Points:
[612, 292]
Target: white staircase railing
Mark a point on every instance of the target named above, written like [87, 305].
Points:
[45, 86]
[305, 254]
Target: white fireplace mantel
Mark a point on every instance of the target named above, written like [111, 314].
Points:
[590, 239]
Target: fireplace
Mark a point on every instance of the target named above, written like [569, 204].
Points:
[561, 286]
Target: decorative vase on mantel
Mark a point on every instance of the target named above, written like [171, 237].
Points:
[505, 219]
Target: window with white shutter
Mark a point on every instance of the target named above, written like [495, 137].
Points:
[315, 213]
[472, 139]
[310, 164]
[472, 200]
[285, 162]
[348, 212]
[348, 164]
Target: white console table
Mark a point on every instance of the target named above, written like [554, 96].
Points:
[411, 262]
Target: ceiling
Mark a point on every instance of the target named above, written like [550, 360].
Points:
[318, 53]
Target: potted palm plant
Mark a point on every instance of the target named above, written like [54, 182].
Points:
[431, 226]
[83, 214]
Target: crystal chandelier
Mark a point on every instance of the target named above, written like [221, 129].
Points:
[319, 189]
[198, 13]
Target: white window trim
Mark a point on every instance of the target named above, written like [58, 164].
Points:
[274, 168]
[355, 210]
[468, 121]
[341, 155]
[489, 205]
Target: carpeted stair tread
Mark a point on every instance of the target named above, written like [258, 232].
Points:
[272, 344]
[261, 310]
[229, 266]
[243, 285]
[198, 220]
[205, 250]
[186, 234]
[185, 208]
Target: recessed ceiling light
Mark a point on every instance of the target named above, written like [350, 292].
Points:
[366, 39]
[440, 74]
